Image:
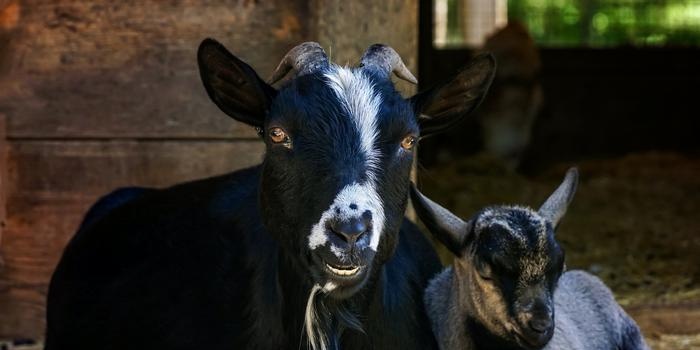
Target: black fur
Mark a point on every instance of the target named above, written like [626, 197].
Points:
[224, 263]
[191, 267]
[110, 202]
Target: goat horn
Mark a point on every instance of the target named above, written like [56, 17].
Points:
[304, 58]
[383, 58]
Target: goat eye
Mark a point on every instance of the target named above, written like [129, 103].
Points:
[485, 275]
[278, 135]
[485, 271]
[408, 142]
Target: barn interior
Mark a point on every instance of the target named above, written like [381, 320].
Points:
[100, 94]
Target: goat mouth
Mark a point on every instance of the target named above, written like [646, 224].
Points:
[529, 342]
[343, 271]
[346, 276]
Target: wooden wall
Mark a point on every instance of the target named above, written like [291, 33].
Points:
[99, 94]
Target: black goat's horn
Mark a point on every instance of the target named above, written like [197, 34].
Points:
[304, 58]
[383, 58]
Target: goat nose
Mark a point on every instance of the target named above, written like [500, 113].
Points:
[540, 325]
[350, 230]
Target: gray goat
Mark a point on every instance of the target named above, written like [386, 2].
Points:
[508, 279]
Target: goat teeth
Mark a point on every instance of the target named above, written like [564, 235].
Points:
[343, 272]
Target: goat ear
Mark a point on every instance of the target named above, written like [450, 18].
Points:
[555, 206]
[444, 105]
[233, 85]
[445, 226]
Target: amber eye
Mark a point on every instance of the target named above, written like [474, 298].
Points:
[408, 142]
[277, 135]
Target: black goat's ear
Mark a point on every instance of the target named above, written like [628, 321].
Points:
[233, 85]
[555, 206]
[444, 105]
[449, 229]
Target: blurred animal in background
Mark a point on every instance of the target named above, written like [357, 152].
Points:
[502, 126]
[508, 289]
[308, 250]
[507, 115]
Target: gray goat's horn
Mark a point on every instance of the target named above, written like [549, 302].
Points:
[304, 58]
[383, 58]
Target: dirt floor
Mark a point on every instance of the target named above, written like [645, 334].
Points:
[633, 223]
[674, 342]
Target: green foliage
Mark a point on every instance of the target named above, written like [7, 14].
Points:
[605, 23]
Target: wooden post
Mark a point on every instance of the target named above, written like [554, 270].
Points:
[3, 179]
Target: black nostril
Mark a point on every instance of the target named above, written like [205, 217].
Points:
[349, 230]
[540, 325]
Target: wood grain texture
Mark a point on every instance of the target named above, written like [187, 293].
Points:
[33, 243]
[3, 180]
[54, 183]
[55, 168]
[104, 69]
[347, 28]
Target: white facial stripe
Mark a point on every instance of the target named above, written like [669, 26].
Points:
[359, 99]
[361, 102]
[365, 198]
[318, 236]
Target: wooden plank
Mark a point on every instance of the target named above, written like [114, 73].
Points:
[27, 303]
[34, 241]
[347, 28]
[104, 69]
[3, 179]
[52, 184]
[100, 69]
[49, 169]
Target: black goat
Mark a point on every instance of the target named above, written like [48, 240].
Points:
[309, 249]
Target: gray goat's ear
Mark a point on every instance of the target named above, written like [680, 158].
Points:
[233, 85]
[445, 226]
[555, 206]
[442, 106]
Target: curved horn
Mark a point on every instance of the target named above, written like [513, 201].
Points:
[304, 58]
[385, 59]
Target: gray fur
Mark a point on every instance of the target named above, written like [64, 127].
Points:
[586, 316]
[442, 302]
[463, 298]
